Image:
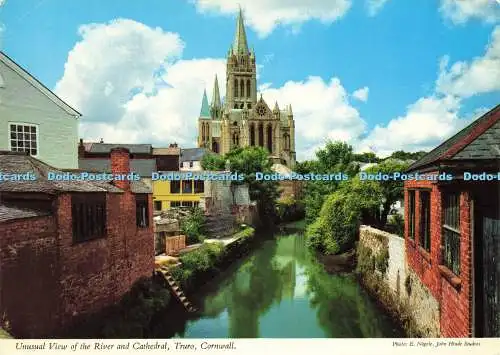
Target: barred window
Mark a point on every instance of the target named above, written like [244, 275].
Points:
[425, 220]
[88, 216]
[175, 204]
[142, 211]
[451, 232]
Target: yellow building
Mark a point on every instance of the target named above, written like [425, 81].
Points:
[180, 193]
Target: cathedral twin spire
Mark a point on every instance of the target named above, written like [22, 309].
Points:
[240, 45]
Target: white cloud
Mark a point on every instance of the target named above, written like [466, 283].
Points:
[361, 94]
[321, 110]
[460, 11]
[2, 2]
[374, 6]
[426, 123]
[481, 75]
[265, 15]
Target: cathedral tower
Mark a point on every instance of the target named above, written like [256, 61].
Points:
[241, 77]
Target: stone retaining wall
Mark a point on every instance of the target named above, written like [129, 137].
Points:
[383, 269]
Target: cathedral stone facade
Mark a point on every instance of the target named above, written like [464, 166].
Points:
[243, 119]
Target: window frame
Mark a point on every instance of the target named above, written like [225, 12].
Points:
[142, 201]
[26, 124]
[425, 244]
[175, 183]
[199, 186]
[449, 232]
[81, 232]
[184, 183]
[412, 207]
[155, 204]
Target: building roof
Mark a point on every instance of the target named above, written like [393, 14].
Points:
[143, 167]
[37, 84]
[167, 151]
[205, 109]
[20, 163]
[479, 140]
[106, 148]
[8, 213]
[192, 154]
[240, 45]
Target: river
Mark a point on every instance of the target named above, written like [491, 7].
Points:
[280, 291]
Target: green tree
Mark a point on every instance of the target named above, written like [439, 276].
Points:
[335, 157]
[247, 161]
[368, 157]
[402, 155]
[392, 190]
[335, 229]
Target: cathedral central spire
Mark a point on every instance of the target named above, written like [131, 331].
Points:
[240, 45]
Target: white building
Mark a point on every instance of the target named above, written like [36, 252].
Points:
[35, 120]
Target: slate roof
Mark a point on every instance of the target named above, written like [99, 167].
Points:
[10, 213]
[192, 154]
[106, 148]
[20, 163]
[143, 167]
[479, 140]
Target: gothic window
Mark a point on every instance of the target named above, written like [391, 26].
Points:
[235, 88]
[286, 139]
[235, 123]
[203, 132]
[252, 135]
[248, 87]
[270, 138]
[249, 105]
[215, 147]
[242, 88]
[261, 135]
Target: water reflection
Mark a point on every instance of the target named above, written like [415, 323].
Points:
[280, 291]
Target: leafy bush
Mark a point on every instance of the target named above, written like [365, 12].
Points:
[396, 224]
[192, 226]
[336, 228]
[288, 209]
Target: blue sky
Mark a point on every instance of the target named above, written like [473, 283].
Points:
[384, 74]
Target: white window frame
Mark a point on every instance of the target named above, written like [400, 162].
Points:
[37, 133]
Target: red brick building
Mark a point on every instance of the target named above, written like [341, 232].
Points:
[452, 229]
[68, 247]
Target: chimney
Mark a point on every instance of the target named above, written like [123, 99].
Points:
[81, 149]
[101, 141]
[120, 164]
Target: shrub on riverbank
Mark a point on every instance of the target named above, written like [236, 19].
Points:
[192, 226]
[336, 228]
[204, 259]
[288, 209]
[130, 318]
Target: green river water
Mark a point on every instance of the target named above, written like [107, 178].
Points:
[280, 291]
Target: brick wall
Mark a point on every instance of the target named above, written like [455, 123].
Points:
[96, 273]
[455, 301]
[28, 275]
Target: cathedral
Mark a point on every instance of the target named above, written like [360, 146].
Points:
[242, 119]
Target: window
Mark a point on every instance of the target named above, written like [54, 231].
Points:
[248, 88]
[191, 164]
[157, 205]
[23, 138]
[425, 219]
[199, 186]
[451, 232]
[175, 204]
[411, 214]
[88, 213]
[187, 204]
[175, 187]
[187, 186]
[141, 211]
[235, 88]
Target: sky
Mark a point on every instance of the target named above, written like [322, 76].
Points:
[382, 75]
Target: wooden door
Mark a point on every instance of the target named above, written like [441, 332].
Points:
[491, 278]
